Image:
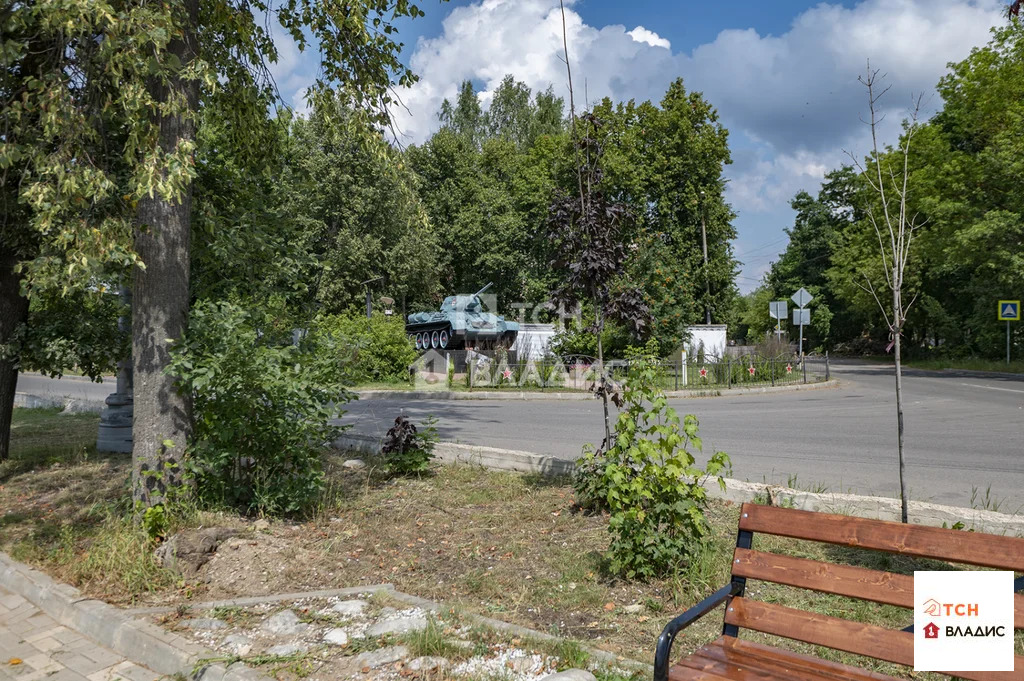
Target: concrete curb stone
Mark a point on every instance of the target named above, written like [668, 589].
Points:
[738, 491]
[525, 395]
[162, 651]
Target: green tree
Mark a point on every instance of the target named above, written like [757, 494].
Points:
[666, 162]
[74, 71]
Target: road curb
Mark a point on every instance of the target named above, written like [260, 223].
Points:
[520, 395]
[474, 455]
[70, 404]
[139, 641]
[738, 491]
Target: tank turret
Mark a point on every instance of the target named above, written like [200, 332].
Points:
[460, 323]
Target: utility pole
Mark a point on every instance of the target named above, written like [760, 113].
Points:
[707, 276]
[369, 298]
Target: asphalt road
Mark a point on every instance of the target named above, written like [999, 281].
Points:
[964, 431]
[72, 387]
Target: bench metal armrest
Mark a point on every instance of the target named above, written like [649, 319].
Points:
[668, 634]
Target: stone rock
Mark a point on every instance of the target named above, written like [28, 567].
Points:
[284, 623]
[189, 550]
[238, 644]
[381, 656]
[633, 609]
[427, 664]
[571, 675]
[402, 625]
[73, 407]
[261, 525]
[204, 623]
[354, 464]
[285, 649]
[338, 637]
[349, 608]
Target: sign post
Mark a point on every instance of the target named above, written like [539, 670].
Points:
[802, 316]
[1009, 311]
[777, 310]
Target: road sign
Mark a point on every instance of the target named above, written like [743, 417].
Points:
[777, 309]
[802, 297]
[802, 317]
[1009, 310]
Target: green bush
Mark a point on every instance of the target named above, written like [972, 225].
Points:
[263, 407]
[649, 482]
[375, 349]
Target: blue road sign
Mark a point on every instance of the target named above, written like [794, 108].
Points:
[1009, 310]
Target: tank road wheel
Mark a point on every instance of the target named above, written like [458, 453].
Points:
[419, 341]
[442, 339]
[434, 340]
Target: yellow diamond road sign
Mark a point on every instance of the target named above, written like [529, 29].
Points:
[1009, 310]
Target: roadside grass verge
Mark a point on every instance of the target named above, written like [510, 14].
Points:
[503, 545]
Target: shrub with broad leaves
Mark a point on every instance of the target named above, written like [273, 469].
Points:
[649, 481]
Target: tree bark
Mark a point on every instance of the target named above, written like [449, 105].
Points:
[897, 305]
[603, 383]
[13, 312]
[160, 299]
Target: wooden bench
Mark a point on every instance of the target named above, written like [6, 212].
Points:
[730, 657]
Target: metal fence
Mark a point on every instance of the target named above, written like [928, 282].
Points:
[583, 373]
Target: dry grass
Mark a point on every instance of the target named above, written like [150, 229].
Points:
[504, 545]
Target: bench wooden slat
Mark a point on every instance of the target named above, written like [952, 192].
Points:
[786, 659]
[823, 630]
[984, 550]
[732, 655]
[839, 634]
[844, 580]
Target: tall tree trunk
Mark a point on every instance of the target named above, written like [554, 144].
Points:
[13, 312]
[603, 383]
[160, 300]
[897, 306]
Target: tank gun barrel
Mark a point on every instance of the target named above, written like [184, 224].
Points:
[490, 284]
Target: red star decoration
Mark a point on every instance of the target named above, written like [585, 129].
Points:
[507, 373]
[703, 372]
[789, 368]
[751, 370]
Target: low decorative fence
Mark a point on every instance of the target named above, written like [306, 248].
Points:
[479, 371]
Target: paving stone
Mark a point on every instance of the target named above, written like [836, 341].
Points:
[45, 645]
[284, 623]
[204, 624]
[105, 657]
[349, 608]
[75, 661]
[238, 644]
[427, 664]
[286, 649]
[571, 675]
[338, 637]
[133, 672]
[50, 652]
[402, 625]
[381, 657]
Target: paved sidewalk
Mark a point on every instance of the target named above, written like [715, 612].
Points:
[52, 652]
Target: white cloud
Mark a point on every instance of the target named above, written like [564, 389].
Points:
[791, 101]
[642, 35]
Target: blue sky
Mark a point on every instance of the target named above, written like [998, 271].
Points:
[782, 74]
